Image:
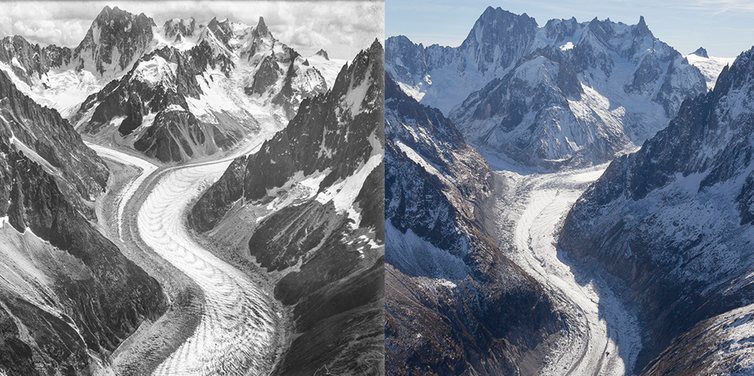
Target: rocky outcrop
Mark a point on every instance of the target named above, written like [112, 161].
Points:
[150, 110]
[67, 291]
[701, 52]
[114, 41]
[540, 95]
[323, 53]
[454, 304]
[51, 141]
[326, 244]
[177, 29]
[673, 221]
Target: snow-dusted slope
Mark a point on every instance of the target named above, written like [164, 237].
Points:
[674, 221]
[567, 93]
[61, 280]
[200, 90]
[444, 277]
[710, 66]
[308, 206]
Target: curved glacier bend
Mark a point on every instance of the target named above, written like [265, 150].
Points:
[237, 332]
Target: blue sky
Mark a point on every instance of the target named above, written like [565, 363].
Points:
[724, 27]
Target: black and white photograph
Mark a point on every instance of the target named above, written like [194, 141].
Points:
[191, 188]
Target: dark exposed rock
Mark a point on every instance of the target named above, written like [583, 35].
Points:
[37, 205]
[175, 28]
[460, 308]
[78, 170]
[661, 220]
[323, 53]
[701, 52]
[114, 32]
[265, 77]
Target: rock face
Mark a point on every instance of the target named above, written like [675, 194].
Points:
[674, 221]
[115, 39]
[149, 107]
[454, 303]
[319, 185]
[701, 52]
[67, 291]
[567, 93]
[50, 140]
[31, 60]
[193, 94]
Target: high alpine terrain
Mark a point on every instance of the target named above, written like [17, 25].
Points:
[454, 303]
[307, 207]
[564, 94]
[106, 147]
[673, 221]
[642, 272]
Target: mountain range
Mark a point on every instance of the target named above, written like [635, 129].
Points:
[564, 94]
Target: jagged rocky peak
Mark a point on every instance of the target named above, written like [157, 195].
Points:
[641, 29]
[559, 29]
[674, 220]
[261, 29]
[28, 60]
[260, 40]
[323, 53]
[179, 28]
[499, 37]
[701, 52]
[222, 30]
[114, 34]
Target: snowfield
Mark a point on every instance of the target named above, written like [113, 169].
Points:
[602, 336]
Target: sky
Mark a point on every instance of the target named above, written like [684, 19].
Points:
[342, 28]
[724, 27]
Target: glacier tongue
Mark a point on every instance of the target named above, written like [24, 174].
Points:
[603, 335]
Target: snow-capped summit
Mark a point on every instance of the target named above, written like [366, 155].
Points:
[114, 41]
[674, 221]
[567, 93]
[701, 52]
[323, 53]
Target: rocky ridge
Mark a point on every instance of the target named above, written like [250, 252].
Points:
[446, 281]
[673, 221]
[60, 274]
[315, 189]
[566, 94]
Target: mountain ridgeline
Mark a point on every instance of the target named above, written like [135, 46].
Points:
[674, 221]
[454, 303]
[68, 295]
[175, 92]
[566, 94]
[316, 187]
